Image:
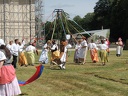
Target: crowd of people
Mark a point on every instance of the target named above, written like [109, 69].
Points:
[13, 52]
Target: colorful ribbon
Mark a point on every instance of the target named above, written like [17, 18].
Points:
[39, 70]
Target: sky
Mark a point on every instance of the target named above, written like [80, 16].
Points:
[72, 7]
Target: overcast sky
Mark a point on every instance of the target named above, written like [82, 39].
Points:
[72, 7]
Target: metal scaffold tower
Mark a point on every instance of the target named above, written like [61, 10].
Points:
[18, 19]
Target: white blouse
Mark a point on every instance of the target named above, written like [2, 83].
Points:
[92, 46]
[103, 46]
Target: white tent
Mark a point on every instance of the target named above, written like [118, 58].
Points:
[96, 35]
[104, 33]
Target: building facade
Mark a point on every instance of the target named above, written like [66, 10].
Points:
[18, 19]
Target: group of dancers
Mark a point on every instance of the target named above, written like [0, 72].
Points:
[25, 55]
[59, 56]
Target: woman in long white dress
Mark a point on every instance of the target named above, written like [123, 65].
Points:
[77, 52]
[83, 51]
[119, 48]
[44, 54]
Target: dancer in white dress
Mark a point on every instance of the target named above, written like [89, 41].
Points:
[44, 55]
[77, 52]
[83, 51]
[119, 48]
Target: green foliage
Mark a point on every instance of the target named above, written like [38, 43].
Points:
[126, 45]
[78, 19]
[112, 14]
[87, 21]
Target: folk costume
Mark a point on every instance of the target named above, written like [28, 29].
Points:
[30, 54]
[44, 54]
[103, 52]
[8, 82]
[108, 44]
[63, 53]
[119, 48]
[55, 53]
[83, 51]
[77, 52]
[22, 57]
[93, 52]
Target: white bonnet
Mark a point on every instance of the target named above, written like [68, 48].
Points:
[2, 42]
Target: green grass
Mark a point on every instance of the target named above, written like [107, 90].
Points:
[79, 80]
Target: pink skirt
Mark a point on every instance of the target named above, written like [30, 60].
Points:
[10, 89]
[7, 74]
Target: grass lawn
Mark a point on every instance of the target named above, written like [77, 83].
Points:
[79, 80]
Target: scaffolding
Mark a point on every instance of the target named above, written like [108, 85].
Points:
[18, 19]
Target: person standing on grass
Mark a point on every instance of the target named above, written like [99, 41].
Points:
[108, 44]
[22, 57]
[77, 52]
[83, 50]
[119, 48]
[63, 53]
[103, 52]
[8, 81]
[30, 54]
[44, 54]
[93, 51]
[15, 51]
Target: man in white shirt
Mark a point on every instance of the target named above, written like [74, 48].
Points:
[9, 45]
[15, 50]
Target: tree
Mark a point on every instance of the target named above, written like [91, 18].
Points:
[78, 19]
[119, 19]
[102, 12]
[87, 22]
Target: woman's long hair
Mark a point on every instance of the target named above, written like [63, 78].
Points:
[7, 51]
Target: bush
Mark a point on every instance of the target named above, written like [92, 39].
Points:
[126, 45]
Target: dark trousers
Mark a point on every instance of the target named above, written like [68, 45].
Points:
[14, 61]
